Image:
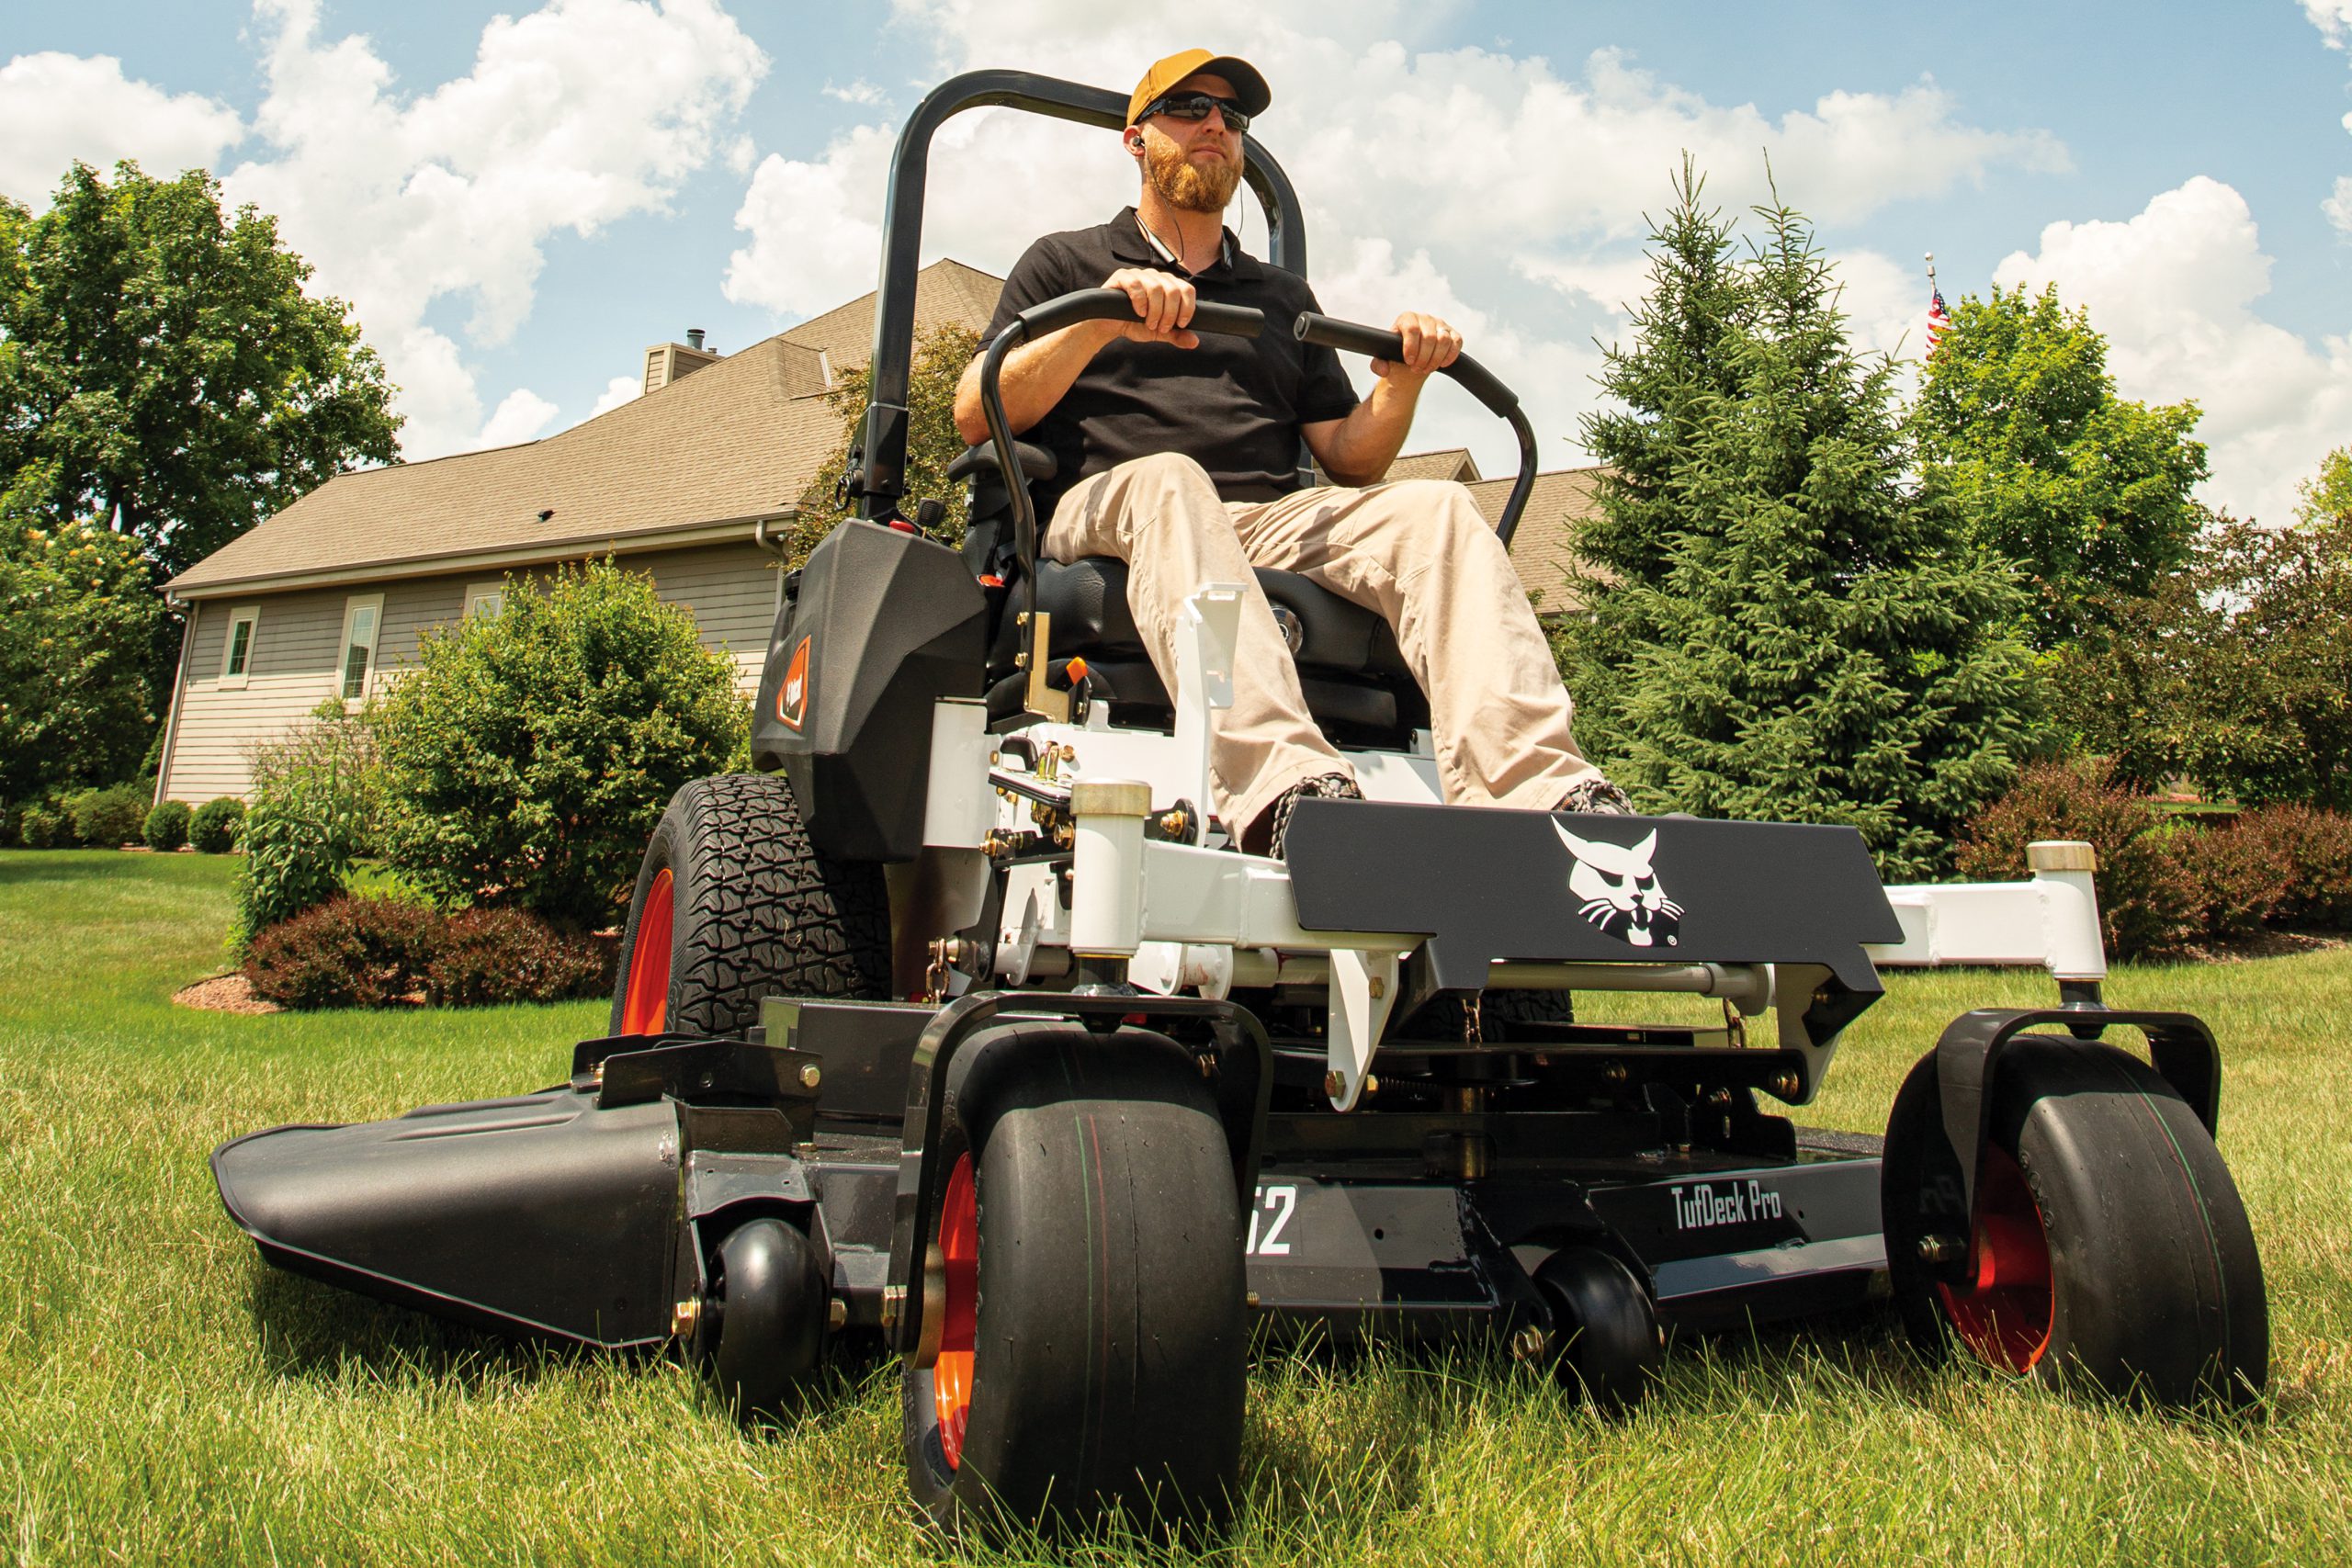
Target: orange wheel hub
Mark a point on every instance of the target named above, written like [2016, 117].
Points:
[959, 1245]
[2004, 1314]
[645, 1003]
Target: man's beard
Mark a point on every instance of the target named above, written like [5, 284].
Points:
[1185, 185]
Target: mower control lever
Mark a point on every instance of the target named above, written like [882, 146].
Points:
[1475, 378]
[1113, 304]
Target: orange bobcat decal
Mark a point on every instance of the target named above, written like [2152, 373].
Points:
[791, 697]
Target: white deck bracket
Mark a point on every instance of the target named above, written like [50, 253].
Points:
[1208, 632]
[2050, 920]
[1364, 988]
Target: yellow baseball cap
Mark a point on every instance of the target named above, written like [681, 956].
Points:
[1249, 88]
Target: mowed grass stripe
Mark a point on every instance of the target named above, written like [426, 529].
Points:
[165, 1397]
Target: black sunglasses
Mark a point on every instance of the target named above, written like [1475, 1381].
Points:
[1196, 105]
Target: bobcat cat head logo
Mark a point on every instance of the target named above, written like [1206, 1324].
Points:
[1617, 891]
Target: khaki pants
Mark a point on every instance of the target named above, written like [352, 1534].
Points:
[1418, 552]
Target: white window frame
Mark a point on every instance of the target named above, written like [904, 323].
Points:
[477, 594]
[249, 618]
[351, 610]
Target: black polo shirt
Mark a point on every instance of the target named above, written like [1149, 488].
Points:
[1233, 404]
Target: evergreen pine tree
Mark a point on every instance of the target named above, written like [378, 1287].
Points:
[1785, 631]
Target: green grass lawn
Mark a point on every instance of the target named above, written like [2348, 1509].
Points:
[165, 1397]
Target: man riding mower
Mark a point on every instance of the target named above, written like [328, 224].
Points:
[1113, 963]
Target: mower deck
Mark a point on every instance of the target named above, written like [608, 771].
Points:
[580, 1213]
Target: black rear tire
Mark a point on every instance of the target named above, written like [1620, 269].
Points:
[1103, 1314]
[2115, 1246]
[763, 1328]
[754, 911]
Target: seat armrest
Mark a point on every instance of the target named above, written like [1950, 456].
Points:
[1037, 463]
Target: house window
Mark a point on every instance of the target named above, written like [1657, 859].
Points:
[237, 653]
[361, 617]
[485, 599]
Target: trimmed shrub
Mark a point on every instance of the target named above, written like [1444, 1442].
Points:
[111, 817]
[530, 754]
[363, 951]
[504, 955]
[2148, 899]
[67, 803]
[216, 824]
[2317, 848]
[41, 828]
[346, 953]
[166, 828]
[2239, 877]
[316, 809]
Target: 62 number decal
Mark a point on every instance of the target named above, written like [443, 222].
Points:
[1269, 1216]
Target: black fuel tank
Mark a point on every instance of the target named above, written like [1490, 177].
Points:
[886, 623]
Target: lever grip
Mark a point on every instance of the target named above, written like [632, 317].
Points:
[1475, 378]
[1113, 305]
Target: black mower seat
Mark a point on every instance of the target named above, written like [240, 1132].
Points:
[1088, 599]
[1357, 686]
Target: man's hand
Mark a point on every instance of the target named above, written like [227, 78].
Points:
[1163, 307]
[1037, 374]
[1358, 449]
[1430, 347]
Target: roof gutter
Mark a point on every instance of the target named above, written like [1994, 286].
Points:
[458, 561]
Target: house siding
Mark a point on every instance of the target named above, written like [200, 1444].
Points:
[730, 589]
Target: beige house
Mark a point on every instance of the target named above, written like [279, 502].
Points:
[689, 482]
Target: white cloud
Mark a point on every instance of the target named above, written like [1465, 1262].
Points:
[573, 116]
[859, 92]
[55, 109]
[2331, 18]
[620, 389]
[521, 415]
[1507, 188]
[2174, 289]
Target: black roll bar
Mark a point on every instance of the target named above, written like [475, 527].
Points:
[877, 476]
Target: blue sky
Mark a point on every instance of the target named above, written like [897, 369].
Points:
[519, 201]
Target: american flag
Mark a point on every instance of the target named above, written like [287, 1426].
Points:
[1938, 319]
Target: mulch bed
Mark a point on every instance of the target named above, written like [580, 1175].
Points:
[224, 993]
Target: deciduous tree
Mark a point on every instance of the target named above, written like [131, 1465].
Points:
[2236, 672]
[2019, 430]
[76, 615]
[931, 441]
[163, 368]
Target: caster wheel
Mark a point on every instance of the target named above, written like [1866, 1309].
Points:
[2111, 1244]
[760, 1336]
[1606, 1346]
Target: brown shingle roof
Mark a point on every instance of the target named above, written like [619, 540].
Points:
[1544, 547]
[738, 439]
[1450, 463]
[946, 291]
